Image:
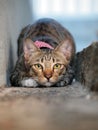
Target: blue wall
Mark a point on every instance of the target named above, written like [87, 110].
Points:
[85, 30]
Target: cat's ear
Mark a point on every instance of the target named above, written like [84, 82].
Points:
[29, 47]
[65, 48]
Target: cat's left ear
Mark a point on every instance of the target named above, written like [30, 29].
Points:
[66, 48]
[29, 48]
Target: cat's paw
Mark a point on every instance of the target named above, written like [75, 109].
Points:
[29, 83]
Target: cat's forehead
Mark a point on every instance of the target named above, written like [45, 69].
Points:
[47, 58]
[50, 57]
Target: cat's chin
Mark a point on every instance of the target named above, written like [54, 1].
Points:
[48, 84]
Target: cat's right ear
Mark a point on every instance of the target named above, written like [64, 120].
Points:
[29, 47]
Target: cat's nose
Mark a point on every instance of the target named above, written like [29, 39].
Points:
[48, 75]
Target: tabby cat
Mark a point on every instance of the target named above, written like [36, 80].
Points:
[46, 53]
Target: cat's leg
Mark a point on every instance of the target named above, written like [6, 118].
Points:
[67, 77]
[28, 82]
[18, 73]
[18, 79]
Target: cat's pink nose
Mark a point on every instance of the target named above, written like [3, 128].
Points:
[48, 75]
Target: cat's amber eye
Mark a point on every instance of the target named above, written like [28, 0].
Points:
[57, 66]
[38, 66]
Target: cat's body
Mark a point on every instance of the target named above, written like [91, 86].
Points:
[46, 66]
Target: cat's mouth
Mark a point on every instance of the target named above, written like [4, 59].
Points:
[49, 84]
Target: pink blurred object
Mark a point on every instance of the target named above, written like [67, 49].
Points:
[40, 44]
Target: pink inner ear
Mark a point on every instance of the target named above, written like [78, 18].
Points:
[65, 48]
[26, 52]
[29, 47]
[25, 49]
[67, 54]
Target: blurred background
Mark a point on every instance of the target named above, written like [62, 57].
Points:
[80, 17]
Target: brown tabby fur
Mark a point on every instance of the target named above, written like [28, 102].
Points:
[44, 66]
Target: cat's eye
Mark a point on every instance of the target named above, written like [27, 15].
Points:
[57, 66]
[38, 66]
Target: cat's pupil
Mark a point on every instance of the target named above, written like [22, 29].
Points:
[56, 66]
[38, 66]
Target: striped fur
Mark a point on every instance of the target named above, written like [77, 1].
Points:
[44, 67]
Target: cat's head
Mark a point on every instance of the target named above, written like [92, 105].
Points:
[47, 67]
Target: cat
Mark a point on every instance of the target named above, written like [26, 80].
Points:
[46, 52]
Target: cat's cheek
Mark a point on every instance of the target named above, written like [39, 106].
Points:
[54, 78]
[42, 80]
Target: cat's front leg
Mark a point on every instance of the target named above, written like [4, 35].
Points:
[67, 77]
[19, 77]
[28, 82]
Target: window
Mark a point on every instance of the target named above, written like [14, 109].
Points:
[64, 8]
[80, 17]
